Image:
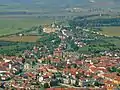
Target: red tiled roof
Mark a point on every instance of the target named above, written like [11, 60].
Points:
[79, 62]
[88, 73]
[102, 69]
[112, 76]
[31, 74]
[65, 70]
[3, 69]
[43, 69]
[93, 69]
[108, 82]
[80, 70]
[56, 60]
[47, 75]
[5, 64]
[72, 70]
[96, 77]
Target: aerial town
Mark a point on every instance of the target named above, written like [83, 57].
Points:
[43, 68]
[59, 45]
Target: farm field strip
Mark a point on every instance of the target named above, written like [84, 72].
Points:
[111, 31]
[20, 39]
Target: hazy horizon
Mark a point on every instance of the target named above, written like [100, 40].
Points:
[63, 3]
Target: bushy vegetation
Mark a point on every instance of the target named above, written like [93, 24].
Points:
[95, 43]
[51, 41]
[83, 22]
[15, 48]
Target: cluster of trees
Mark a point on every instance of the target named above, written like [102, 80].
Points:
[71, 46]
[12, 50]
[114, 69]
[101, 46]
[51, 41]
[83, 22]
[6, 43]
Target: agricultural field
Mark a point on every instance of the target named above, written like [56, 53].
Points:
[11, 24]
[20, 39]
[111, 31]
[113, 40]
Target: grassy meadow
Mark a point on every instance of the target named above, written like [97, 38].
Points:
[11, 24]
[111, 31]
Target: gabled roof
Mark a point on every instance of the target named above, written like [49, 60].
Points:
[3, 69]
[72, 70]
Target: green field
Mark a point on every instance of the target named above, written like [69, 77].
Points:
[111, 31]
[20, 39]
[11, 24]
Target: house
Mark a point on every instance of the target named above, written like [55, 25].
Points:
[73, 81]
[47, 75]
[5, 76]
[6, 60]
[41, 79]
[52, 69]
[16, 69]
[42, 70]
[27, 66]
[58, 52]
[3, 69]
[80, 83]
[87, 73]
[19, 85]
[49, 29]
[56, 60]
[109, 84]
[65, 80]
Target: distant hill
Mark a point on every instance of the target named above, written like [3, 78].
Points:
[63, 3]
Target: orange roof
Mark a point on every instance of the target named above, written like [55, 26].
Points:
[65, 70]
[80, 70]
[73, 71]
[108, 82]
[56, 60]
[87, 73]
[49, 74]
[96, 77]
[93, 69]
[44, 69]
[112, 76]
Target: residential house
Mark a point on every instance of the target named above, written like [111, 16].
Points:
[58, 52]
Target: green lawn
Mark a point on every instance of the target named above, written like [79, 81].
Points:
[9, 25]
[111, 31]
